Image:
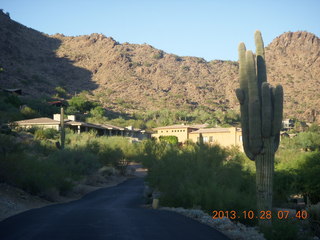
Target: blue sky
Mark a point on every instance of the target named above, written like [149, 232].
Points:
[211, 29]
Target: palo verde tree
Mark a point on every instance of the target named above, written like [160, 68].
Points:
[261, 107]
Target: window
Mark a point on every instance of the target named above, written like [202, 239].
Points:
[205, 139]
[210, 139]
[240, 138]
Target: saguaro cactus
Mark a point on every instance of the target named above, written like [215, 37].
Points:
[261, 108]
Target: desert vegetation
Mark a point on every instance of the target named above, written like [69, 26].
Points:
[190, 175]
[211, 178]
[30, 159]
[36, 165]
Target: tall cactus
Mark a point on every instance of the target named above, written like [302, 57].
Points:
[261, 108]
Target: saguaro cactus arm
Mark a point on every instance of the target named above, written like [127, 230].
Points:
[260, 104]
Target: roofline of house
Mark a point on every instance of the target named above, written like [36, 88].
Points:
[49, 121]
[175, 126]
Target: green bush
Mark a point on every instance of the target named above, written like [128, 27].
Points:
[60, 92]
[158, 55]
[49, 133]
[308, 141]
[76, 163]
[33, 175]
[28, 112]
[109, 150]
[309, 177]
[169, 139]
[38, 167]
[282, 230]
[80, 104]
[199, 176]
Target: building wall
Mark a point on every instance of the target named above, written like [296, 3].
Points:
[44, 126]
[225, 139]
[181, 133]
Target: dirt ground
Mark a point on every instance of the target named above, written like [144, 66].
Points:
[14, 200]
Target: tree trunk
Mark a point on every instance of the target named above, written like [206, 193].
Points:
[62, 131]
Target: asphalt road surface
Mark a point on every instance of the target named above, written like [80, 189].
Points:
[110, 213]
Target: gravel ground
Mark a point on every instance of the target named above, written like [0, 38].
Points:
[236, 231]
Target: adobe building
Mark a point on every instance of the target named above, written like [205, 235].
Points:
[223, 136]
[181, 131]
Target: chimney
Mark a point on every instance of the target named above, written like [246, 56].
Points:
[56, 116]
[72, 117]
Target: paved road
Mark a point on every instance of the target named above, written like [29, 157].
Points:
[110, 213]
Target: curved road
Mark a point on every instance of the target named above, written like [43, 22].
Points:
[109, 213]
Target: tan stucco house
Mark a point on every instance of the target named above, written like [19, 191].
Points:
[181, 131]
[222, 136]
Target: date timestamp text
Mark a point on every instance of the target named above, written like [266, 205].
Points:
[233, 215]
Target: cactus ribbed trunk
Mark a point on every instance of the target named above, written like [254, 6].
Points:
[264, 178]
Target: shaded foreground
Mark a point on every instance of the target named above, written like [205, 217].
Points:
[110, 213]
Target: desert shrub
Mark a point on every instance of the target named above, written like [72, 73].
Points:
[185, 68]
[309, 177]
[97, 112]
[80, 104]
[109, 150]
[76, 163]
[158, 55]
[285, 184]
[8, 145]
[314, 218]
[200, 176]
[169, 139]
[28, 112]
[32, 174]
[296, 172]
[314, 212]
[48, 133]
[60, 92]
[152, 151]
[128, 149]
[308, 141]
[9, 108]
[314, 128]
[41, 105]
[282, 230]
[109, 156]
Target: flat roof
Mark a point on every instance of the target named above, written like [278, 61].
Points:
[211, 130]
[196, 126]
[111, 127]
[49, 121]
[38, 121]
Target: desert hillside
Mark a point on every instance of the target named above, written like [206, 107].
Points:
[136, 78]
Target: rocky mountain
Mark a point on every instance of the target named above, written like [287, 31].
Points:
[135, 78]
